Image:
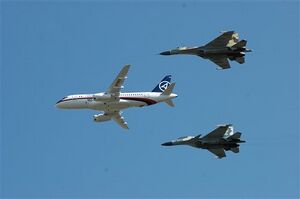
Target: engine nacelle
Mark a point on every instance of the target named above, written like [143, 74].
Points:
[103, 97]
[101, 118]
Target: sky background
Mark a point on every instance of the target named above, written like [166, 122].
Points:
[53, 49]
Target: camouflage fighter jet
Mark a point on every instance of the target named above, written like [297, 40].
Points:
[219, 50]
[220, 139]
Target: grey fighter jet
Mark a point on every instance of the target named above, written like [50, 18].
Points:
[219, 50]
[220, 139]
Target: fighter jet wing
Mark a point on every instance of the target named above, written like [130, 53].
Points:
[220, 153]
[220, 60]
[221, 41]
[217, 133]
[117, 84]
[120, 120]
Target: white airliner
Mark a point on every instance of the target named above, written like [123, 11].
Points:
[112, 101]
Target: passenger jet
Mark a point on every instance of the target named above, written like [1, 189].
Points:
[112, 101]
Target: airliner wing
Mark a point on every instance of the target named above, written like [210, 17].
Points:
[217, 133]
[120, 120]
[220, 41]
[220, 153]
[117, 84]
[220, 60]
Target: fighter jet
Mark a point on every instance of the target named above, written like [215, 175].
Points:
[220, 139]
[219, 50]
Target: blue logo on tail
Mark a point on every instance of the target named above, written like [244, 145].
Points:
[163, 85]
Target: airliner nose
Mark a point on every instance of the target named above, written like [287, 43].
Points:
[165, 53]
[167, 144]
[58, 104]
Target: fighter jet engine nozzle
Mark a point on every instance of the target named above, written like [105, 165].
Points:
[165, 53]
[101, 118]
[167, 144]
[102, 96]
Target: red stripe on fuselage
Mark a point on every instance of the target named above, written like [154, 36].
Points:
[146, 100]
[77, 98]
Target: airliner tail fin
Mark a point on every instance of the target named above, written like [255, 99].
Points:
[163, 84]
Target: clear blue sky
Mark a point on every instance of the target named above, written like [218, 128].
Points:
[52, 49]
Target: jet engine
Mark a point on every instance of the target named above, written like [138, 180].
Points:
[103, 97]
[101, 118]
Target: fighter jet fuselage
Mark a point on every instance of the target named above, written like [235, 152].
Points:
[207, 143]
[204, 52]
[217, 144]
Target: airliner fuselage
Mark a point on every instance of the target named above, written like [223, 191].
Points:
[106, 102]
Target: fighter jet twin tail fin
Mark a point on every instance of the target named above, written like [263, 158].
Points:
[235, 136]
[240, 44]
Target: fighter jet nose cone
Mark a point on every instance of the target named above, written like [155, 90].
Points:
[167, 144]
[165, 53]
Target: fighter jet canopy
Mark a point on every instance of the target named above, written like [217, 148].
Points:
[184, 138]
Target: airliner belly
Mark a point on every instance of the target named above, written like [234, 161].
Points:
[116, 105]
